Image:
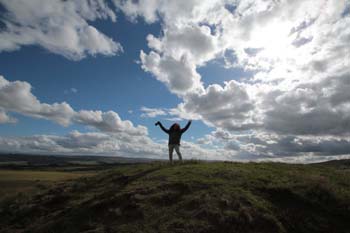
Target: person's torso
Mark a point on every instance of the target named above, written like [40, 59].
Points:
[175, 137]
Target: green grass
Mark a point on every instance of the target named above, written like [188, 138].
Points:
[190, 197]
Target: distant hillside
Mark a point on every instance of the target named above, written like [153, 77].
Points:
[190, 197]
[342, 163]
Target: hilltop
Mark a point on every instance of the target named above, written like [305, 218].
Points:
[189, 197]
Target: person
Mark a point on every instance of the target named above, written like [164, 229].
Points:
[175, 132]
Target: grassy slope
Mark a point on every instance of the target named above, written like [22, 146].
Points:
[191, 197]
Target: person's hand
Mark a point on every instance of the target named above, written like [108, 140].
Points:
[157, 123]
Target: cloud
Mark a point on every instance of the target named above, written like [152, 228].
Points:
[304, 159]
[179, 75]
[121, 137]
[321, 108]
[5, 118]
[152, 112]
[194, 41]
[17, 97]
[108, 122]
[91, 143]
[98, 143]
[177, 12]
[77, 141]
[145, 8]
[263, 146]
[298, 52]
[62, 27]
[268, 145]
[70, 90]
[177, 53]
[228, 107]
[290, 46]
[169, 114]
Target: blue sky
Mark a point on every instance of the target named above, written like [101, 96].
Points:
[104, 83]
[101, 72]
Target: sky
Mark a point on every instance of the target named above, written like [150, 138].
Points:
[262, 80]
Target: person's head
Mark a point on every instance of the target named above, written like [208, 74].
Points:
[175, 127]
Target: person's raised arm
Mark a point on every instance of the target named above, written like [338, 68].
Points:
[186, 127]
[162, 127]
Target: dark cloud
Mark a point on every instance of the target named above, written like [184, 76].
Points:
[320, 108]
[291, 146]
[303, 25]
[225, 107]
[301, 41]
[252, 51]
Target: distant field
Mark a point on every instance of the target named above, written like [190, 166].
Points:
[27, 181]
[14, 163]
[29, 174]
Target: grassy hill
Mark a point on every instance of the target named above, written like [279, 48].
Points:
[190, 197]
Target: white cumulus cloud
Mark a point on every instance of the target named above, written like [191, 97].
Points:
[5, 118]
[17, 97]
[62, 27]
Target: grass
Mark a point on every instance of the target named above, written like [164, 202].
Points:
[190, 197]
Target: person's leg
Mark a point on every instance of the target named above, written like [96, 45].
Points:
[171, 149]
[177, 149]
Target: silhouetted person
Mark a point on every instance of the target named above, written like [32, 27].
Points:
[175, 133]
